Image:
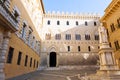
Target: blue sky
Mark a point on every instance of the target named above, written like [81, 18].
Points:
[81, 6]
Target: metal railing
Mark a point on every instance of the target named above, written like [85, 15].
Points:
[8, 15]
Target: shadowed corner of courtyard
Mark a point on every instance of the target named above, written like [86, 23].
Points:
[59, 73]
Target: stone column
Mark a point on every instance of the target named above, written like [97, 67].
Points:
[48, 59]
[3, 52]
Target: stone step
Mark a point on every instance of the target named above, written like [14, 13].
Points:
[74, 78]
[70, 68]
[115, 77]
[104, 77]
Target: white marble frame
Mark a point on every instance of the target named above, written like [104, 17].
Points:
[109, 58]
[52, 49]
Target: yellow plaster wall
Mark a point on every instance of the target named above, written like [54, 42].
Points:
[113, 36]
[12, 69]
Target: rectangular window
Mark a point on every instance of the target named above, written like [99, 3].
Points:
[68, 48]
[48, 22]
[68, 36]
[37, 64]
[67, 22]
[76, 22]
[26, 60]
[19, 58]
[33, 42]
[110, 45]
[87, 37]
[58, 36]
[34, 63]
[96, 37]
[117, 46]
[77, 37]
[89, 49]
[10, 55]
[30, 62]
[112, 27]
[118, 21]
[29, 36]
[16, 14]
[86, 24]
[79, 48]
[95, 24]
[107, 32]
[24, 30]
[58, 22]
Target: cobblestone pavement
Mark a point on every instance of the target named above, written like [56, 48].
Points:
[54, 75]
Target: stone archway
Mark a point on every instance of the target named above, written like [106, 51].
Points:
[52, 59]
[52, 52]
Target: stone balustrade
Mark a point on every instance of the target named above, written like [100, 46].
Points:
[8, 16]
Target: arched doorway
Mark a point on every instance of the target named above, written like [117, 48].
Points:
[52, 59]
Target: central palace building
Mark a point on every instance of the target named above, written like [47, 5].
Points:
[31, 38]
[69, 39]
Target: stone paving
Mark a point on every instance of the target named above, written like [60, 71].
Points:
[55, 75]
[67, 73]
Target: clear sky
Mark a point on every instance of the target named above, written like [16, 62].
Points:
[80, 6]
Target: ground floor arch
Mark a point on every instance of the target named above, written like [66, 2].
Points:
[52, 59]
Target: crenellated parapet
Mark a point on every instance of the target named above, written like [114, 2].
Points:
[72, 15]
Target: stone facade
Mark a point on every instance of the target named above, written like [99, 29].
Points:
[73, 38]
[30, 38]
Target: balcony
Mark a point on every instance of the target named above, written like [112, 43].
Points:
[6, 18]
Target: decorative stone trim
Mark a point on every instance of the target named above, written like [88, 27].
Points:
[72, 15]
[3, 52]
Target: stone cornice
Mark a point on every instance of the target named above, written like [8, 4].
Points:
[111, 5]
[42, 6]
[114, 5]
[72, 15]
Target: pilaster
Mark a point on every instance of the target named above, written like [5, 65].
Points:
[3, 52]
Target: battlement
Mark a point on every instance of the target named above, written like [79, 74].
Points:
[62, 14]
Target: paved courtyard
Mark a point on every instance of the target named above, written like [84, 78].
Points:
[55, 74]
